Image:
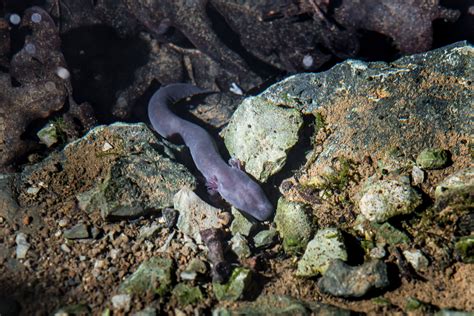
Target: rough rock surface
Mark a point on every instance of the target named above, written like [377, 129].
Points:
[412, 103]
[129, 172]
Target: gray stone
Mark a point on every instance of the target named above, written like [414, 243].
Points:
[186, 294]
[235, 288]
[147, 311]
[152, 276]
[260, 134]
[326, 246]
[264, 238]
[343, 280]
[384, 199]
[121, 302]
[417, 260]
[240, 246]
[294, 225]
[8, 205]
[195, 214]
[370, 107]
[240, 224]
[79, 231]
[456, 184]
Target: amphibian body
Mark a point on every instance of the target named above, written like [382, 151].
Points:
[233, 184]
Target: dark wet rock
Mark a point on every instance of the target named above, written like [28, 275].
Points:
[282, 305]
[152, 276]
[343, 280]
[196, 266]
[465, 248]
[214, 241]
[432, 158]
[294, 225]
[417, 259]
[187, 295]
[147, 311]
[42, 85]
[413, 305]
[409, 25]
[79, 231]
[121, 170]
[236, 287]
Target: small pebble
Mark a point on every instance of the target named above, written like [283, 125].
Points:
[107, 146]
[234, 88]
[121, 302]
[63, 73]
[418, 175]
[378, 252]
[63, 222]
[308, 61]
[22, 245]
[27, 220]
[1, 220]
[65, 248]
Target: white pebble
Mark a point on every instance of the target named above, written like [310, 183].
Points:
[65, 248]
[114, 253]
[107, 146]
[15, 19]
[418, 175]
[234, 88]
[63, 222]
[63, 73]
[22, 245]
[32, 190]
[36, 18]
[308, 61]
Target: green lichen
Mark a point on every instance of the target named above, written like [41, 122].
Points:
[187, 295]
[432, 158]
[465, 248]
